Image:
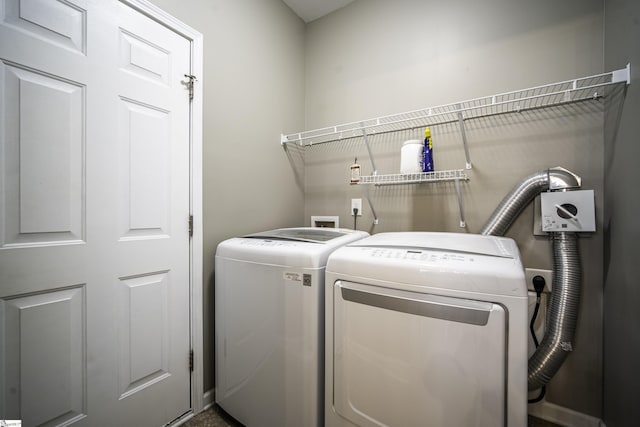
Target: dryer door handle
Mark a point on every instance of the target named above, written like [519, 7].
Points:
[426, 305]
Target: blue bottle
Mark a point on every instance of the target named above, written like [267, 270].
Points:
[427, 152]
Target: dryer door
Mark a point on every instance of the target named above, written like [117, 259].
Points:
[409, 359]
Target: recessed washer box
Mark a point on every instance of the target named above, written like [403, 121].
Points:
[568, 211]
[329, 221]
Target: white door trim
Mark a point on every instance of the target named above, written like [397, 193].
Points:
[196, 247]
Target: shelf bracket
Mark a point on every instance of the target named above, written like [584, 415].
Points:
[366, 142]
[622, 75]
[464, 137]
[373, 211]
[463, 223]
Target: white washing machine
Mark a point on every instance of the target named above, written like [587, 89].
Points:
[426, 329]
[269, 324]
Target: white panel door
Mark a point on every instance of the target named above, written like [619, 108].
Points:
[94, 208]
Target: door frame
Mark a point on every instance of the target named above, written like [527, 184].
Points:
[195, 196]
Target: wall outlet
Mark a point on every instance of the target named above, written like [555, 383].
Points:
[356, 204]
[530, 273]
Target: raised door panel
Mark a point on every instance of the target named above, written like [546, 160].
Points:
[144, 59]
[43, 381]
[42, 142]
[144, 332]
[144, 171]
[60, 22]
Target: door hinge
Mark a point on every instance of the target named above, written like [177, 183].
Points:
[189, 84]
[190, 225]
[191, 361]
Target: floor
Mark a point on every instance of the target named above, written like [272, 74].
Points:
[216, 417]
[212, 417]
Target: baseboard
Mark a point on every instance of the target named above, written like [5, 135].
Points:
[208, 399]
[563, 416]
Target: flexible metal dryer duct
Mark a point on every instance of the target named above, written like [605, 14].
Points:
[563, 312]
[565, 294]
[522, 194]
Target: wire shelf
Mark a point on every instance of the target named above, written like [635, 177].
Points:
[415, 178]
[580, 89]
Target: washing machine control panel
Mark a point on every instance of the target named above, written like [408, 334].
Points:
[267, 243]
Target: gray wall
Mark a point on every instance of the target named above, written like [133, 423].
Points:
[253, 89]
[376, 57]
[622, 228]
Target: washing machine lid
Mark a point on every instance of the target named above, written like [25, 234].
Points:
[302, 234]
[302, 247]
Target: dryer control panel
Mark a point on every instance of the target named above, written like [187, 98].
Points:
[418, 255]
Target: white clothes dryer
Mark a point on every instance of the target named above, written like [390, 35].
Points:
[426, 329]
[269, 324]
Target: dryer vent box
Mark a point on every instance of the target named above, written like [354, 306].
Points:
[568, 211]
